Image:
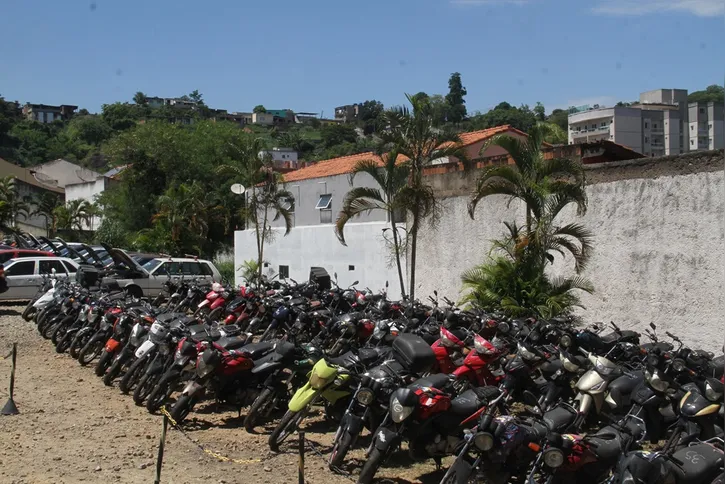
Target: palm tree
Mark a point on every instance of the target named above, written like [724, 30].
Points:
[45, 206]
[183, 211]
[414, 135]
[532, 178]
[267, 200]
[140, 98]
[12, 206]
[392, 178]
[73, 214]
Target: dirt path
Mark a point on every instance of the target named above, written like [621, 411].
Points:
[72, 428]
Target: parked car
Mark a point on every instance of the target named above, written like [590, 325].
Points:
[24, 275]
[147, 280]
[7, 254]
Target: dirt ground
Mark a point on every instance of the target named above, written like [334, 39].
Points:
[72, 428]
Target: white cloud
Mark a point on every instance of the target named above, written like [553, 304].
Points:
[701, 8]
[478, 3]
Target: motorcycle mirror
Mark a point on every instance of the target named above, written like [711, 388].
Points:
[355, 283]
[386, 284]
[335, 274]
[435, 293]
[531, 400]
[52, 271]
[653, 326]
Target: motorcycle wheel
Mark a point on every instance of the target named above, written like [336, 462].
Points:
[289, 423]
[144, 388]
[269, 334]
[215, 315]
[340, 450]
[162, 391]
[49, 325]
[43, 316]
[61, 329]
[64, 343]
[114, 370]
[181, 408]
[91, 350]
[79, 341]
[29, 311]
[372, 464]
[158, 300]
[128, 382]
[259, 408]
[104, 362]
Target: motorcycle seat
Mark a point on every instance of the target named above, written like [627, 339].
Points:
[610, 337]
[607, 448]
[439, 380]
[467, 403]
[696, 470]
[256, 350]
[367, 356]
[284, 348]
[232, 342]
[558, 419]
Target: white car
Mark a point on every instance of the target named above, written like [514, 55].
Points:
[25, 275]
[148, 280]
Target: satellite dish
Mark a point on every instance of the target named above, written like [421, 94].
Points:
[238, 188]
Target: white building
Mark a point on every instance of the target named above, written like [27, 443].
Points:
[282, 157]
[656, 126]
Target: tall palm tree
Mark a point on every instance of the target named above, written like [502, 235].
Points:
[532, 177]
[266, 200]
[45, 206]
[12, 206]
[413, 134]
[392, 178]
[183, 211]
[73, 214]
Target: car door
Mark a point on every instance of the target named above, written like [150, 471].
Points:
[207, 273]
[22, 278]
[48, 266]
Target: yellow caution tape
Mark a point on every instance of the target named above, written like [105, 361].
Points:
[216, 455]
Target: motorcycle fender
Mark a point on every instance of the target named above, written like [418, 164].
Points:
[144, 348]
[386, 440]
[157, 366]
[205, 302]
[598, 401]
[217, 303]
[112, 345]
[302, 398]
[353, 423]
[192, 388]
[463, 470]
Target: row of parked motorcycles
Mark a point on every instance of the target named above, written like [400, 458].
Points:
[525, 400]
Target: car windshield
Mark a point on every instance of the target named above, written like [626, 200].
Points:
[151, 265]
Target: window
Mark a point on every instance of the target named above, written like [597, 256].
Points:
[709, 126]
[654, 125]
[324, 202]
[47, 266]
[350, 268]
[205, 269]
[190, 268]
[604, 124]
[69, 267]
[702, 110]
[692, 127]
[325, 216]
[692, 142]
[284, 272]
[25, 268]
[171, 268]
[646, 125]
[646, 139]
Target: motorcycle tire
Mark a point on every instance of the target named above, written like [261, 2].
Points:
[181, 408]
[79, 341]
[145, 386]
[64, 343]
[46, 321]
[260, 408]
[372, 464]
[269, 334]
[41, 316]
[286, 427]
[135, 371]
[158, 300]
[103, 362]
[91, 350]
[162, 391]
[200, 312]
[215, 314]
[114, 370]
[61, 329]
[340, 450]
[51, 325]
[29, 311]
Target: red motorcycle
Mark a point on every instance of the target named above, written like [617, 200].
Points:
[214, 303]
[446, 348]
[481, 366]
[426, 415]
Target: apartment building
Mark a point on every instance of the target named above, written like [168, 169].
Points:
[661, 123]
[346, 113]
[44, 113]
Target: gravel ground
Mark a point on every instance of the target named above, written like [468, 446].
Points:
[72, 428]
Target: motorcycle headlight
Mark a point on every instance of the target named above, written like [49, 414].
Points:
[203, 368]
[317, 382]
[603, 369]
[678, 365]
[135, 338]
[712, 394]
[164, 349]
[565, 341]
[365, 396]
[399, 412]
[526, 354]
[483, 441]
[553, 458]
[655, 380]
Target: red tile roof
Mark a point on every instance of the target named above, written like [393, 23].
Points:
[344, 164]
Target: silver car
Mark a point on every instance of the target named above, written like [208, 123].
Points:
[25, 275]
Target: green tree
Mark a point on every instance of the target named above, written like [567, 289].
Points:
[259, 109]
[196, 96]
[12, 207]
[454, 99]
[370, 115]
[413, 135]
[555, 135]
[73, 215]
[392, 178]
[120, 116]
[712, 93]
[560, 118]
[540, 112]
[140, 98]
[183, 214]
[89, 130]
[521, 118]
[10, 115]
[44, 206]
[334, 134]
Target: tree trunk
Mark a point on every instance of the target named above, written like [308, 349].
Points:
[256, 232]
[413, 253]
[396, 244]
[261, 247]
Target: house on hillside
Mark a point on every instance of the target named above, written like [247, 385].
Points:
[319, 190]
[30, 187]
[44, 113]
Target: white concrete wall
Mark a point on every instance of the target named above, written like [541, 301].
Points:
[317, 246]
[87, 191]
[657, 252]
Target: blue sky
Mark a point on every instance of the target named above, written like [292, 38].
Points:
[314, 55]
